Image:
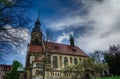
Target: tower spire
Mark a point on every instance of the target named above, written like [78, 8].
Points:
[37, 23]
[38, 17]
[36, 35]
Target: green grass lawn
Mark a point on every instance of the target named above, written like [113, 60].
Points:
[116, 77]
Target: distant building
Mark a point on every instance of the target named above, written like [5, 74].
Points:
[20, 72]
[50, 58]
[4, 69]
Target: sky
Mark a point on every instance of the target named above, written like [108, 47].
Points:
[95, 24]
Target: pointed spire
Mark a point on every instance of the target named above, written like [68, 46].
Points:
[37, 23]
[38, 18]
[38, 14]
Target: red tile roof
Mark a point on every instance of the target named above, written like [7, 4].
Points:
[56, 48]
[35, 49]
[6, 67]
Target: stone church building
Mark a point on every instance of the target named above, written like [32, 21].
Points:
[47, 60]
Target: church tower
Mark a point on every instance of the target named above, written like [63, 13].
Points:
[44, 57]
[36, 35]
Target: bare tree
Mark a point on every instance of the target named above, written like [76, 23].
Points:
[13, 23]
[47, 45]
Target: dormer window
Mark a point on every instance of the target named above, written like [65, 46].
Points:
[74, 50]
[56, 47]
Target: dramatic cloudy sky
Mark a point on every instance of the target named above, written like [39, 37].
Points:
[95, 24]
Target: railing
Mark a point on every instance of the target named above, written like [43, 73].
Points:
[115, 77]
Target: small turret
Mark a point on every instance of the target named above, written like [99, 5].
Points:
[71, 40]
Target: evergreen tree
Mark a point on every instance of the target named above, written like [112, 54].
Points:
[13, 73]
[112, 57]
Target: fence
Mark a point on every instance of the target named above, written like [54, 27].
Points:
[116, 77]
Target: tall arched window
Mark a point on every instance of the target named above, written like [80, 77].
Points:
[80, 59]
[60, 61]
[55, 62]
[65, 61]
[75, 61]
[70, 59]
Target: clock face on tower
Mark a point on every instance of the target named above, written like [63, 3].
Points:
[36, 38]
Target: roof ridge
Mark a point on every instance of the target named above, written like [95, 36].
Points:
[62, 44]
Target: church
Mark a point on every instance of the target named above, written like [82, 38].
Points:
[47, 60]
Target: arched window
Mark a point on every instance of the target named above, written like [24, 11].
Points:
[60, 61]
[49, 58]
[80, 59]
[41, 73]
[58, 74]
[53, 73]
[55, 62]
[65, 61]
[70, 59]
[75, 61]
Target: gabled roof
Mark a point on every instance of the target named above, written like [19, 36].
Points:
[56, 48]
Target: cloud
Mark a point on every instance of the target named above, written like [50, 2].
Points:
[102, 24]
[105, 26]
[15, 50]
[66, 23]
[63, 37]
[17, 32]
